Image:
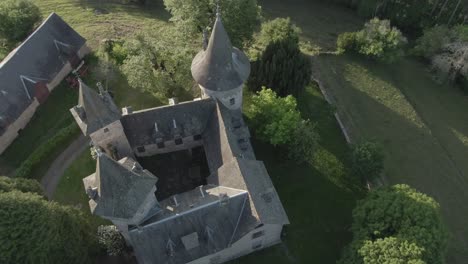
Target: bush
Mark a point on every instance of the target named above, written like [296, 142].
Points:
[377, 40]
[111, 239]
[17, 19]
[304, 142]
[45, 150]
[23, 185]
[34, 230]
[280, 64]
[432, 41]
[397, 224]
[367, 160]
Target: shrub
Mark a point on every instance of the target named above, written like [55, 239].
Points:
[23, 185]
[280, 64]
[432, 41]
[304, 142]
[34, 230]
[17, 19]
[367, 160]
[377, 40]
[397, 224]
[111, 239]
[45, 150]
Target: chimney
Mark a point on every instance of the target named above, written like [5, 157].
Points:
[173, 101]
[127, 110]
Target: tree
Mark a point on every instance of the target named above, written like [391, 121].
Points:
[376, 40]
[240, 17]
[17, 19]
[273, 118]
[367, 160]
[23, 185]
[397, 224]
[157, 61]
[280, 64]
[304, 142]
[111, 239]
[33, 230]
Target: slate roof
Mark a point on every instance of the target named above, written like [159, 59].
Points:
[220, 67]
[98, 110]
[39, 58]
[190, 117]
[221, 217]
[120, 190]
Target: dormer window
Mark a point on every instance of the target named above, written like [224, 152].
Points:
[179, 141]
[232, 101]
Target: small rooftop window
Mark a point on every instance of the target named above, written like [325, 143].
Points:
[179, 141]
[141, 149]
[161, 145]
[232, 101]
[190, 241]
[197, 137]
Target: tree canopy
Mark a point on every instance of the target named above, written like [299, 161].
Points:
[33, 230]
[279, 62]
[367, 160]
[23, 185]
[240, 17]
[17, 19]
[397, 224]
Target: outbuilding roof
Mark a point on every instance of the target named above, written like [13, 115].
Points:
[38, 59]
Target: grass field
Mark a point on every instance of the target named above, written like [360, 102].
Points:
[421, 125]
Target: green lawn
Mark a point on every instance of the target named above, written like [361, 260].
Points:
[422, 126]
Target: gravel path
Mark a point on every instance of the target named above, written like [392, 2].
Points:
[51, 179]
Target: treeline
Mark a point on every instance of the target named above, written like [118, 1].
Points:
[412, 16]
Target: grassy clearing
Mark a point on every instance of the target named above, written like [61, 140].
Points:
[421, 125]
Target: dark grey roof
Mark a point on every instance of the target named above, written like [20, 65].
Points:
[39, 58]
[252, 176]
[220, 67]
[200, 225]
[190, 118]
[98, 110]
[120, 190]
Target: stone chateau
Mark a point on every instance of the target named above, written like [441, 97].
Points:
[181, 182]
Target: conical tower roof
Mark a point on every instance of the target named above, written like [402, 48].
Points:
[220, 67]
[99, 109]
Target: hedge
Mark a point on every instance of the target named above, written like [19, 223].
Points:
[63, 137]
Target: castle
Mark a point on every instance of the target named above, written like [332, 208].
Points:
[181, 182]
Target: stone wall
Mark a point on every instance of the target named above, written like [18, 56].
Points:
[169, 146]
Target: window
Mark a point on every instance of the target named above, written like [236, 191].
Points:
[161, 145]
[178, 141]
[197, 137]
[232, 101]
[257, 245]
[106, 130]
[141, 149]
[258, 234]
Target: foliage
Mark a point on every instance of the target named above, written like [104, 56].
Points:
[240, 17]
[433, 40]
[367, 160]
[273, 118]
[17, 19]
[281, 64]
[34, 230]
[377, 40]
[111, 239]
[303, 142]
[397, 224]
[36, 158]
[157, 61]
[23, 185]
[412, 15]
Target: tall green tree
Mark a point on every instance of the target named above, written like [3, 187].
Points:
[397, 224]
[367, 160]
[33, 230]
[280, 63]
[17, 19]
[240, 17]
